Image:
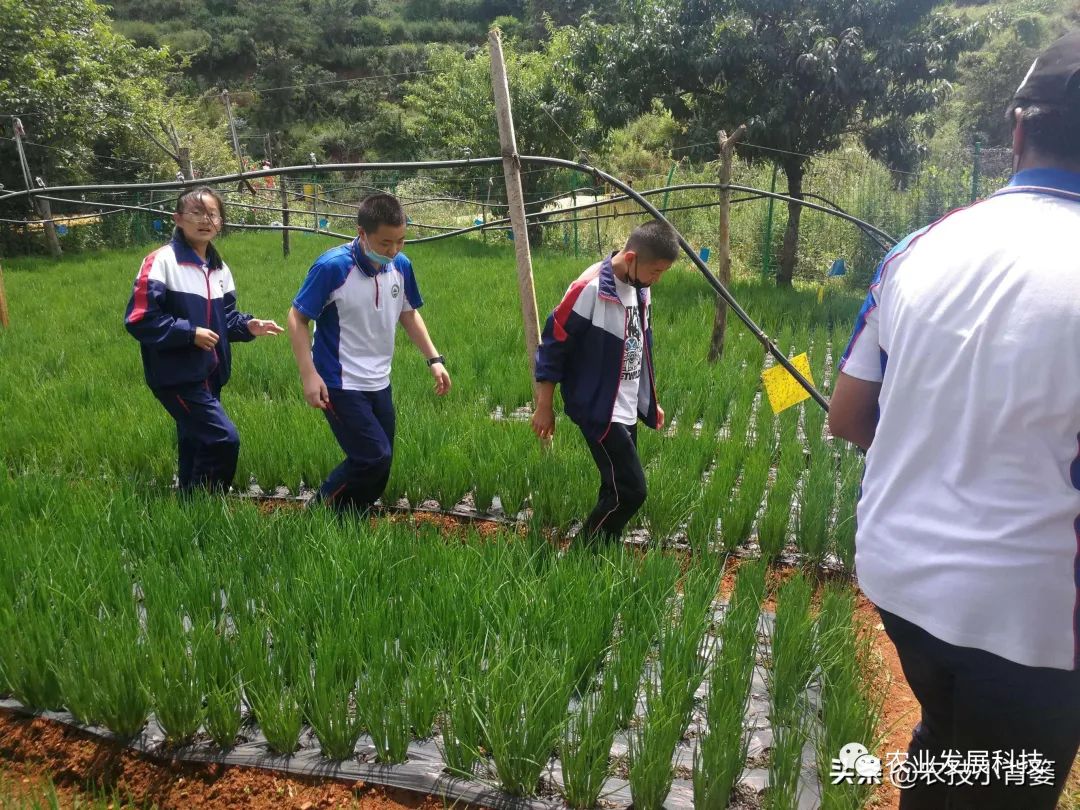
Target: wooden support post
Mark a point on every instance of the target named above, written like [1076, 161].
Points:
[236, 142]
[490, 186]
[515, 200]
[723, 248]
[184, 155]
[40, 206]
[5, 321]
[51, 238]
[284, 216]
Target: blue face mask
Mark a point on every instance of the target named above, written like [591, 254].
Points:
[378, 259]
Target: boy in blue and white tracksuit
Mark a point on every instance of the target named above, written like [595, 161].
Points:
[357, 294]
[183, 313]
[597, 344]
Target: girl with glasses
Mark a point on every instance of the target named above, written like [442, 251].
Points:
[183, 313]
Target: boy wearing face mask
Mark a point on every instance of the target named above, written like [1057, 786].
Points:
[597, 344]
[357, 294]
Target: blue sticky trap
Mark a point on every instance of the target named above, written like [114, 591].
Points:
[408, 220]
[510, 234]
[839, 268]
[61, 230]
[704, 254]
[478, 221]
[323, 223]
[157, 225]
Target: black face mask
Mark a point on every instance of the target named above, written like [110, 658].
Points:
[636, 282]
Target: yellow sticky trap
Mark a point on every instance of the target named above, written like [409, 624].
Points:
[820, 294]
[784, 390]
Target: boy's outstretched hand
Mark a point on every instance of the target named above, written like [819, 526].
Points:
[442, 379]
[543, 423]
[259, 327]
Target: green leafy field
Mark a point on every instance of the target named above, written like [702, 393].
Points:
[214, 615]
[74, 403]
[118, 601]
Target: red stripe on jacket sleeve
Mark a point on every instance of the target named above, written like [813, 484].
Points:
[142, 290]
[566, 306]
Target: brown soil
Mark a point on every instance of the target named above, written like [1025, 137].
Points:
[34, 750]
[451, 526]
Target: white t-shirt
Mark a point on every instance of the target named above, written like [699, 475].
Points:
[969, 519]
[625, 412]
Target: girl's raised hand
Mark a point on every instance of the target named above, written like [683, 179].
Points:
[259, 327]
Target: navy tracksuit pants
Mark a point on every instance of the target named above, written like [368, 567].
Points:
[363, 423]
[622, 484]
[208, 444]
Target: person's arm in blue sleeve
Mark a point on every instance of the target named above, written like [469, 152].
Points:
[570, 318]
[146, 319]
[236, 322]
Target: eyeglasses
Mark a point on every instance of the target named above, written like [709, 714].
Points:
[202, 216]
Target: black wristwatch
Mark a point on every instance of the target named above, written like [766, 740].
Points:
[437, 359]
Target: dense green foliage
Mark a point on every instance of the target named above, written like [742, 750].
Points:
[330, 76]
[76, 83]
[802, 77]
[636, 84]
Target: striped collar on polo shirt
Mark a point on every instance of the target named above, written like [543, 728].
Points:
[1058, 182]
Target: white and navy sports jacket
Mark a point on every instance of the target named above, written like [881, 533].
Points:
[175, 292]
[582, 349]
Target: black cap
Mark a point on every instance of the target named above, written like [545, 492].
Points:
[1054, 78]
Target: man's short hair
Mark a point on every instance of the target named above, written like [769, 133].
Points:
[654, 241]
[379, 209]
[1052, 132]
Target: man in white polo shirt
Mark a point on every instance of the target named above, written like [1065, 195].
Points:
[962, 381]
[357, 294]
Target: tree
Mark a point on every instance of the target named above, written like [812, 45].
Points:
[79, 87]
[804, 74]
[453, 109]
[990, 76]
[642, 147]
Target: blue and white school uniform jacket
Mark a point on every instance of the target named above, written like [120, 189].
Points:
[175, 292]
